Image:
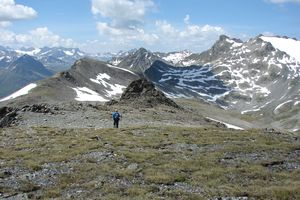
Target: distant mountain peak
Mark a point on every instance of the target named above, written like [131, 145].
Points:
[26, 59]
[223, 37]
[142, 51]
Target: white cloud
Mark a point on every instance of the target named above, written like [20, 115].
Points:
[187, 19]
[122, 10]
[7, 37]
[38, 37]
[122, 23]
[165, 27]
[193, 37]
[283, 1]
[4, 24]
[125, 35]
[106, 29]
[10, 11]
[125, 20]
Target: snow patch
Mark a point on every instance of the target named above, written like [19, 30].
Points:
[282, 104]
[100, 79]
[116, 62]
[226, 124]
[30, 53]
[112, 89]
[80, 54]
[126, 70]
[247, 111]
[86, 94]
[69, 53]
[175, 58]
[233, 43]
[188, 63]
[25, 90]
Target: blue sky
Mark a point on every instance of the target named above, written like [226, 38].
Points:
[159, 25]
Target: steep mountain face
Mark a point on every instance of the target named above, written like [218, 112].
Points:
[138, 61]
[188, 82]
[87, 80]
[21, 72]
[141, 59]
[254, 77]
[256, 71]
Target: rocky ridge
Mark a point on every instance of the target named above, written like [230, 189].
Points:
[142, 93]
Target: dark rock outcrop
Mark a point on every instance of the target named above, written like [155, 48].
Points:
[39, 108]
[7, 116]
[142, 93]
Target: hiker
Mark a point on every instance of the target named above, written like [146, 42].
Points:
[116, 117]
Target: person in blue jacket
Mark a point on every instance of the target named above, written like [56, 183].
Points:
[116, 118]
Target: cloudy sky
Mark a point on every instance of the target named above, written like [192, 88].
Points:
[159, 25]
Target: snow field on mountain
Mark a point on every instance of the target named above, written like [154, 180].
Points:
[288, 45]
[86, 94]
[112, 89]
[126, 70]
[30, 53]
[240, 77]
[287, 105]
[177, 57]
[69, 53]
[234, 43]
[226, 124]
[25, 90]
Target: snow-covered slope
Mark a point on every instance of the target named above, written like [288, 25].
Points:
[87, 80]
[261, 74]
[188, 82]
[252, 77]
[288, 45]
[176, 57]
[20, 92]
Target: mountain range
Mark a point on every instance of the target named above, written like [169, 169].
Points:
[257, 79]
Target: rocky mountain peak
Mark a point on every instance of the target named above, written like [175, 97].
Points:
[28, 63]
[141, 51]
[223, 37]
[139, 61]
[26, 58]
[142, 93]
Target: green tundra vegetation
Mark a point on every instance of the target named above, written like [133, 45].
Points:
[150, 162]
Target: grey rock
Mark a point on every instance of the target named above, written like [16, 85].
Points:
[133, 166]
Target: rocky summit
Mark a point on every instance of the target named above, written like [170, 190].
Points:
[143, 93]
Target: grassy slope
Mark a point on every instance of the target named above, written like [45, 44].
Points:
[152, 163]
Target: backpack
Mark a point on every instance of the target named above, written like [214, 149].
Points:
[116, 116]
